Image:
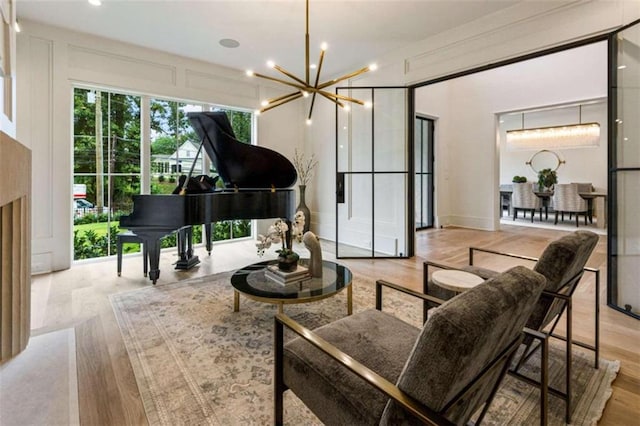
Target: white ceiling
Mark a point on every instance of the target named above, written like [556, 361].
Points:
[358, 32]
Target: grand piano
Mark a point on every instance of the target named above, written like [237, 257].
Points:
[256, 182]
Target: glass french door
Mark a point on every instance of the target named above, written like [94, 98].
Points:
[374, 183]
[623, 289]
[423, 170]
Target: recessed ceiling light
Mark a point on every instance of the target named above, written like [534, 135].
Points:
[95, 2]
[229, 42]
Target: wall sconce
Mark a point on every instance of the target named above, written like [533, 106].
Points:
[568, 136]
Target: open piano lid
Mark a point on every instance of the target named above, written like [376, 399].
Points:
[240, 165]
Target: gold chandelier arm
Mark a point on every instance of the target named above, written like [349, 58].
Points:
[288, 74]
[292, 98]
[313, 100]
[342, 97]
[320, 61]
[335, 101]
[281, 98]
[278, 80]
[306, 50]
[344, 77]
[313, 97]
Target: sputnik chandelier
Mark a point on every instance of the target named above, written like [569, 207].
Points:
[304, 88]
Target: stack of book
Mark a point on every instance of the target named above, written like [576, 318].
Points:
[301, 273]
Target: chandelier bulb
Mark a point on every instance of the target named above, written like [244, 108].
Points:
[368, 104]
[373, 67]
[264, 103]
[308, 122]
[271, 64]
[249, 73]
[324, 46]
[257, 112]
[346, 107]
[305, 93]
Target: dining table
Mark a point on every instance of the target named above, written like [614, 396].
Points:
[596, 202]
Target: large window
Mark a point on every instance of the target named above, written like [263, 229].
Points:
[106, 167]
[108, 174]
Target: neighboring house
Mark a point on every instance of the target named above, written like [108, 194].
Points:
[178, 162]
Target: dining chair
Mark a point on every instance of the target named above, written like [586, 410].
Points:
[524, 198]
[583, 188]
[373, 368]
[566, 199]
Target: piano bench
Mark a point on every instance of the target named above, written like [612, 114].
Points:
[129, 237]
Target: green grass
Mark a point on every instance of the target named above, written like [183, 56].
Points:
[100, 228]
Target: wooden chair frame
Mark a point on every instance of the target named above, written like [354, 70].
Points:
[423, 413]
[543, 341]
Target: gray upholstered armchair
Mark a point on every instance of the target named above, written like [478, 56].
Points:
[563, 264]
[373, 368]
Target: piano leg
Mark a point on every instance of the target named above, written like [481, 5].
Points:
[207, 235]
[185, 249]
[153, 251]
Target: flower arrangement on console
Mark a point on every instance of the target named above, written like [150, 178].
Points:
[283, 231]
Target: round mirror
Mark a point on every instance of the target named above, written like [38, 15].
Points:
[545, 159]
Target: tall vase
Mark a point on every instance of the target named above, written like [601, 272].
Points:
[303, 208]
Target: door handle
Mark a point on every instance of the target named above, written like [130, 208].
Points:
[340, 188]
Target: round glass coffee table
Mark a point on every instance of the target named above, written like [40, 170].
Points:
[251, 282]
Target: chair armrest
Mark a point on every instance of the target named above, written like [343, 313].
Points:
[500, 253]
[423, 413]
[425, 271]
[535, 334]
[553, 294]
[428, 263]
[422, 296]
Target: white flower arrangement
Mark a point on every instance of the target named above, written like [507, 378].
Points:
[281, 232]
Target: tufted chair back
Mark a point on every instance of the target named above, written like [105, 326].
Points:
[523, 196]
[566, 199]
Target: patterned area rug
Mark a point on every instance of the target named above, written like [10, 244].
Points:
[198, 362]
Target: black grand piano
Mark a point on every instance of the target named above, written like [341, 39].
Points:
[256, 186]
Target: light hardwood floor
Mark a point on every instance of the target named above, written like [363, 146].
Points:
[79, 297]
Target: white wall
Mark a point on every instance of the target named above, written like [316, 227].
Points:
[52, 60]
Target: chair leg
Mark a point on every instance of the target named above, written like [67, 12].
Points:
[145, 258]
[577, 220]
[555, 222]
[568, 361]
[533, 212]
